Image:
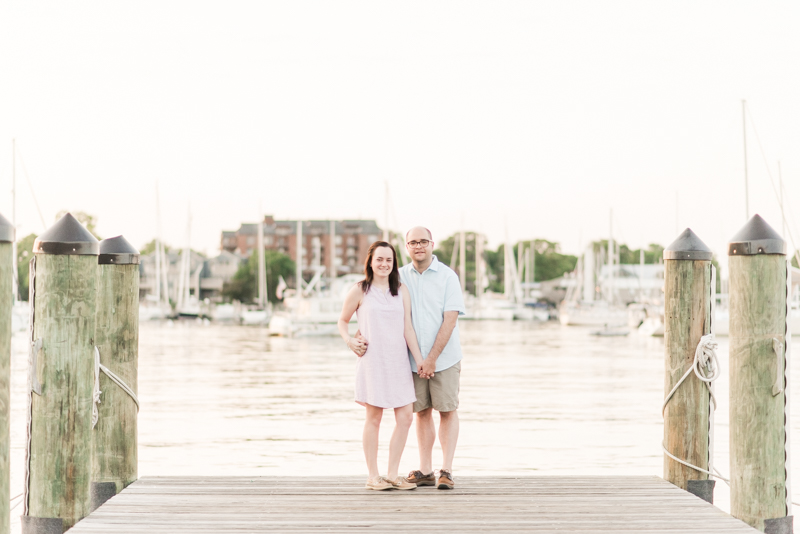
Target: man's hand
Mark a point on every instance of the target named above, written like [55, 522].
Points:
[358, 344]
[427, 368]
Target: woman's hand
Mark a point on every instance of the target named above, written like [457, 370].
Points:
[427, 368]
[358, 344]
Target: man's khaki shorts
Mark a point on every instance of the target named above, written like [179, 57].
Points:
[439, 392]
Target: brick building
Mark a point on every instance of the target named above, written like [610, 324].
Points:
[351, 239]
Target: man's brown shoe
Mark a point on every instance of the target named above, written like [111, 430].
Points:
[420, 479]
[445, 480]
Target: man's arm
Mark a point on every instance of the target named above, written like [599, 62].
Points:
[442, 337]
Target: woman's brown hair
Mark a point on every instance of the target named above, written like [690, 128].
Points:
[394, 276]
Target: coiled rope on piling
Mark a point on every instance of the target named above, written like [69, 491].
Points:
[98, 367]
[706, 367]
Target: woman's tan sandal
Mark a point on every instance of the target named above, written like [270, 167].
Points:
[378, 483]
[402, 484]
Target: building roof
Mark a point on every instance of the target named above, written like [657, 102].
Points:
[364, 226]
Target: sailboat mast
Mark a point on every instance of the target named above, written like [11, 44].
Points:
[641, 274]
[744, 138]
[262, 269]
[299, 265]
[588, 273]
[478, 265]
[158, 247]
[332, 249]
[462, 260]
[14, 273]
[386, 211]
[780, 184]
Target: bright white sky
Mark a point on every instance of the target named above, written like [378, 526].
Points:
[538, 117]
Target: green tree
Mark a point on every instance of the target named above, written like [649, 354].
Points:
[244, 284]
[550, 263]
[652, 254]
[24, 255]
[150, 247]
[444, 253]
[89, 221]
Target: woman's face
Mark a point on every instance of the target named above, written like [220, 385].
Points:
[382, 260]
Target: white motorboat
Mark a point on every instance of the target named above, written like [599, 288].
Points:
[255, 317]
[20, 316]
[316, 313]
[154, 311]
[592, 313]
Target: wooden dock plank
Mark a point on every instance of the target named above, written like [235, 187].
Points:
[241, 505]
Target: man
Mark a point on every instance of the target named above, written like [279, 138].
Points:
[436, 303]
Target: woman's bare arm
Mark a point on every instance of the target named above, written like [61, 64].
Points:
[410, 334]
[351, 303]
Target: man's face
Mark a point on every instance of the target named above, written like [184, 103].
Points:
[419, 245]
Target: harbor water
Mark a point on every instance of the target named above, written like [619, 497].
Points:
[536, 399]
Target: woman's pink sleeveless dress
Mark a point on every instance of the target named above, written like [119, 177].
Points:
[383, 376]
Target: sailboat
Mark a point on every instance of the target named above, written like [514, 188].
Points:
[260, 314]
[20, 311]
[156, 306]
[582, 307]
[188, 305]
[489, 306]
[313, 310]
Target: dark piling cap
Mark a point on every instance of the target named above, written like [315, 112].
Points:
[756, 237]
[6, 231]
[117, 251]
[67, 237]
[687, 247]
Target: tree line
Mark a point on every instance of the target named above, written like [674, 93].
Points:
[549, 263]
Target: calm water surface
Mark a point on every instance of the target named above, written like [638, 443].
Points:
[535, 399]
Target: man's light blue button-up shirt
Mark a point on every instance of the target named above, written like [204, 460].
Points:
[433, 292]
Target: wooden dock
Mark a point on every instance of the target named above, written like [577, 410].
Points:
[334, 504]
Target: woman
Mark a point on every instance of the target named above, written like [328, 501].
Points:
[383, 373]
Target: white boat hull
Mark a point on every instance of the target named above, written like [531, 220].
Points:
[589, 314]
[255, 317]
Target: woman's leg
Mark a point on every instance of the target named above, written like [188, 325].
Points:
[372, 427]
[403, 418]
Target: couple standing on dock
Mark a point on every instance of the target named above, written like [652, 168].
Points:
[409, 314]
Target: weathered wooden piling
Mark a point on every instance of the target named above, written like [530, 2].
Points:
[6, 302]
[687, 318]
[114, 445]
[63, 290]
[760, 489]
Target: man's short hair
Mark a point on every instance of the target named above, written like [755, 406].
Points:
[430, 235]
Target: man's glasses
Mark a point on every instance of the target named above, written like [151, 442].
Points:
[421, 243]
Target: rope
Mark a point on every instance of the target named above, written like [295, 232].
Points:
[705, 361]
[18, 503]
[706, 367]
[98, 367]
[31, 377]
[96, 392]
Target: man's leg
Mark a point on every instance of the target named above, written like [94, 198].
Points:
[448, 437]
[426, 436]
